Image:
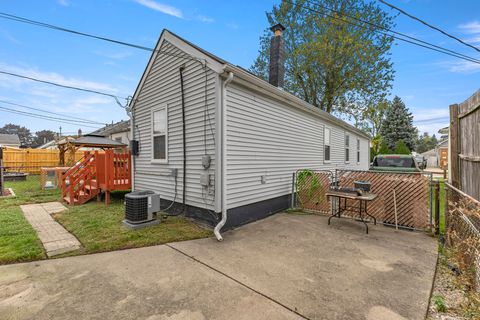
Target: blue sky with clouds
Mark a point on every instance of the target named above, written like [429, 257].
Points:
[427, 81]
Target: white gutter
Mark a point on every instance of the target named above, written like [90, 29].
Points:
[222, 222]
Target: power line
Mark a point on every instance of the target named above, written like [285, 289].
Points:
[393, 31]
[429, 25]
[39, 116]
[64, 86]
[414, 42]
[456, 55]
[433, 120]
[16, 18]
[54, 113]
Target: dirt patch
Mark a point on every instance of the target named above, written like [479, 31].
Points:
[452, 298]
[7, 192]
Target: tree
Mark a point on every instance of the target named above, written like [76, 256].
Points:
[42, 137]
[401, 147]
[398, 125]
[424, 142]
[372, 118]
[23, 133]
[331, 61]
[384, 148]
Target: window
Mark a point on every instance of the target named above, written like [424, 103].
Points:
[326, 143]
[358, 150]
[159, 134]
[118, 139]
[347, 148]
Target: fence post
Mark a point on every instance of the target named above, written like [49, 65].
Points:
[436, 186]
[292, 200]
[454, 146]
[1, 175]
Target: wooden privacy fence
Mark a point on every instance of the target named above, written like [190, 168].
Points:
[412, 194]
[31, 160]
[465, 145]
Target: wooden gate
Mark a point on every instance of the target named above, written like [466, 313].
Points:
[465, 145]
[412, 195]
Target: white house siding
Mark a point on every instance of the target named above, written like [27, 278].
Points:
[268, 138]
[162, 85]
[123, 137]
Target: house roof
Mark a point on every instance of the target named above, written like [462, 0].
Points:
[431, 152]
[56, 142]
[121, 126]
[241, 76]
[443, 144]
[96, 141]
[9, 139]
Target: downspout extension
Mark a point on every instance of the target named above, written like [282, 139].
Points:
[222, 222]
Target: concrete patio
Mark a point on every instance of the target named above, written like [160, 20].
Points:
[283, 267]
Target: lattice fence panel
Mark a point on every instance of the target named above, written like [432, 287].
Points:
[412, 194]
[316, 201]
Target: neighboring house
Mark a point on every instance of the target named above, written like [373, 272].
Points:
[442, 154]
[232, 139]
[432, 158]
[53, 144]
[9, 140]
[119, 131]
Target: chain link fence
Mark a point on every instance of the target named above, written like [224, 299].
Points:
[462, 219]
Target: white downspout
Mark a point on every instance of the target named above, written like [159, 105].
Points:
[222, 222]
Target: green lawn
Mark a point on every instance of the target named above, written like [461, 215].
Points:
[97, 227]
[18, 240]
[100, 228]
[29, 192]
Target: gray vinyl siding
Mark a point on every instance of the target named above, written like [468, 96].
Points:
[268, 138]
[162, 85]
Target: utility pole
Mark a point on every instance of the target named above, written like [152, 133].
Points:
[60, 131]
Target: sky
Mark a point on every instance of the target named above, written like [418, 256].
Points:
[427, 81]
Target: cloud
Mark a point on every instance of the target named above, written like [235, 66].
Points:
[52, 77]
[470, 27]
[432, 128]
[114, 56]
[232, 25]
[205, 19]
[64, 3]
[464, 67]
[431, 115]
[163, 8]
[5, 34]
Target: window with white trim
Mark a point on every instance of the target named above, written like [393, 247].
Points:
[347, 148]
[326, 144]
[159, 134]
[358, 150]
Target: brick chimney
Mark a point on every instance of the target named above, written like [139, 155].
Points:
[277, 57]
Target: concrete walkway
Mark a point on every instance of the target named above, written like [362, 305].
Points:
[55, 239]
[283, 267]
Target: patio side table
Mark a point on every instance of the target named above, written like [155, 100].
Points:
[361, 209]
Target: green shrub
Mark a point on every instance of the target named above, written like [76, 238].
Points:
[401, 147]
